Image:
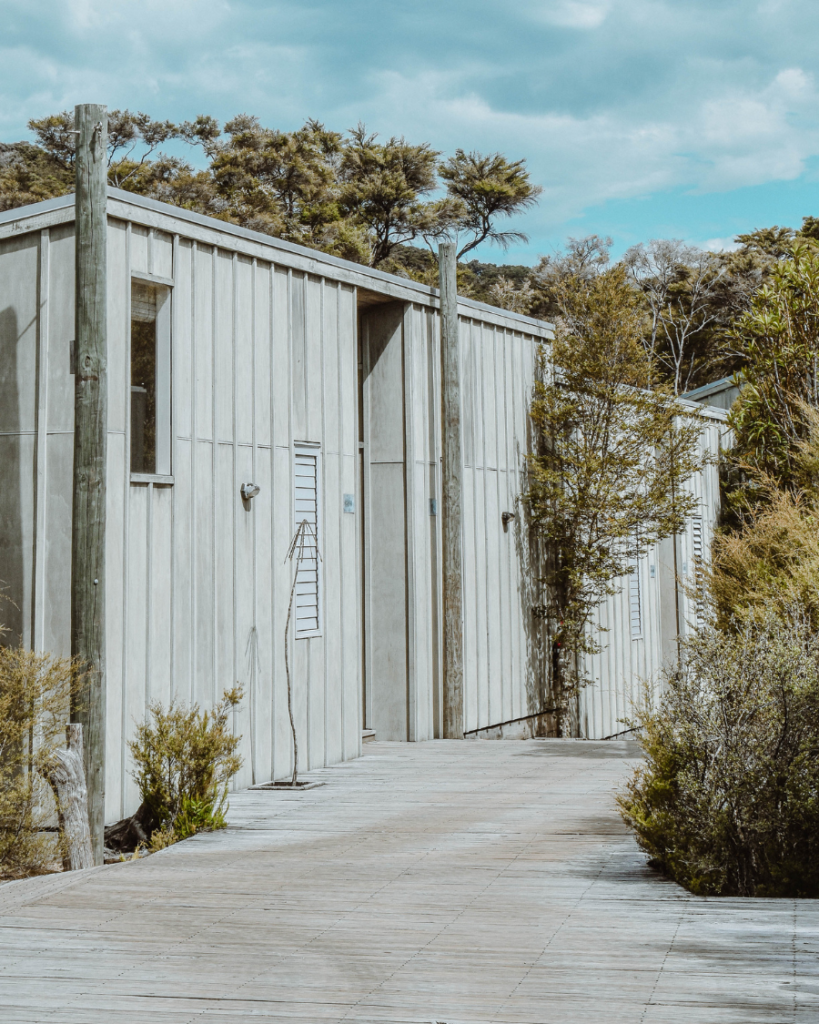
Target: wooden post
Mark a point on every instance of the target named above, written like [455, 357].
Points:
[66, 776]
[451, 471]
[90, 434]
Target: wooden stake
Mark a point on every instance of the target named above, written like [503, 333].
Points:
[66, 777]
[90, 435]
[451, 496]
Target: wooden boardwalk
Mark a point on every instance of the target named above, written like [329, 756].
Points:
[447, 881]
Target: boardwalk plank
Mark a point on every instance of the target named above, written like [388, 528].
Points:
[456, 882]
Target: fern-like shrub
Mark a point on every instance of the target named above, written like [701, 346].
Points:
[184, 761]
[35, 690]
[727, 799]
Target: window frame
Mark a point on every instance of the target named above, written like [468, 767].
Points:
[163, 456]
[312, 448]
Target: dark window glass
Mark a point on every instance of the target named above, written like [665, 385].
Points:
[143, 378]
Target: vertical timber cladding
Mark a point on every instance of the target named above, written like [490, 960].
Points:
[388, 698]
[90, 437]
[663, 574]
[264, 357]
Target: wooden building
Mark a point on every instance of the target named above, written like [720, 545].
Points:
[237, 359]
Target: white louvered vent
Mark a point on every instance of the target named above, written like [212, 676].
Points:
[308, 581]
[634, 602]
[699, 582]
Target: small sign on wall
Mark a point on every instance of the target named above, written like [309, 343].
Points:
[349, 503]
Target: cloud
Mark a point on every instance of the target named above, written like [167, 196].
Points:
[611, 101]
[719, 244]
[579, 14]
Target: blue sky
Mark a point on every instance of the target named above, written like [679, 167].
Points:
[640, 118]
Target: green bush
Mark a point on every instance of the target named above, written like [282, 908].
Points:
[35, 690]
[727, 800]
[185, 759]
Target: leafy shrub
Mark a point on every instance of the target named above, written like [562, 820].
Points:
[727, 800]
[35, 690]
[185, 759]
[771, 562]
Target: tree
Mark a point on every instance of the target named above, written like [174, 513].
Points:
[680, 283]
[582, 258]
[485, 188]
[608, 474]
[283, 183]
[346, 194]
[778, 341]
[383, 188]
[30, 175]
[132, 139]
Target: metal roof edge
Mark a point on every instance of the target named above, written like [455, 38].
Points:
[710, 412]
[36, 209]
[424, 292]
[370, 273]
[713, 387]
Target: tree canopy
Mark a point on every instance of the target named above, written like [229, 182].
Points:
[347, 193]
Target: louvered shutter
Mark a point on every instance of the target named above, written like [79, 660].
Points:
[634, 603]
[307, 597]
[699, 582]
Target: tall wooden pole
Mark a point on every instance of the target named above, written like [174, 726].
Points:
[90, 434]
[451, 472]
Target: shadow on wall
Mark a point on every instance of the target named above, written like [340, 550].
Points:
[531, 558]
[11, 461]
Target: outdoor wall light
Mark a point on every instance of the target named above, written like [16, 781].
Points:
[249, 491]
[506, 518]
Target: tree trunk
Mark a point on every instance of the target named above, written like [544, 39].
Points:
[127, 835]
[66, 776]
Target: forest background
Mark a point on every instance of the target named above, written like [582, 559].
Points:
[386, 203]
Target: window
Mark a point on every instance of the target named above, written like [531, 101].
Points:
[306, 495]
[150, 379]
[634, 596]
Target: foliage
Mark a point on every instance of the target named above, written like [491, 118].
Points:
[727, 800]
[505, 295]
[766, 556]
[770, 563]
[679, 282]
[582, 259]
[607, 478]
[383, 188]
[483, 189]
[35, 691]
[778, 339]
[30, 175]
[185, 759]
[348, 194]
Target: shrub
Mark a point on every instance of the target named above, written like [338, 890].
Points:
[772, 562]
[35, 692]
[727, 800]
[185, 759]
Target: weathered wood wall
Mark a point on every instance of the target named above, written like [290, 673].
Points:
[197, 586]
[262, 357]
[621, 670]
[504, 669]
[265, 348]
[504, 640]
